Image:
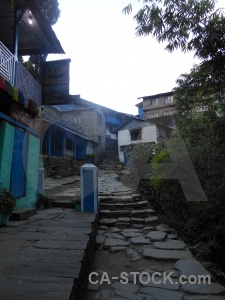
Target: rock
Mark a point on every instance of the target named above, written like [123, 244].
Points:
[208, 297]
[162, 294]
[151, 219]
[172, 236]
[129, 288]
[148, 228]
[132, 254]
[93, 287]
[149, 211]
[174, 274]
[115, 230]
[101, 231]
[191, 267]
[100, 239]
[110, 242]
[140, 240]
[118, 248]
[137, 220]
[128, 296]
[119, 212]
[131, 230]
[132, 234]
[204, 289]
[137, 212]
[163, 227]
[159, 282]
[176, 245]
[166, 254]
[124, 219]
[156, 235]
[107, 221]
[114, 235]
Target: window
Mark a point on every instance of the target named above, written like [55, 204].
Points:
[168, 100]
[99, 119]
[69, 144]
[77, 120]
[135, 134]
[154, 102]
[153, 116]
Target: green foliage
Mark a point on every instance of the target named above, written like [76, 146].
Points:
[189, 25]
[140, 156]
[50, 10]
[7, 201]
[32, 65]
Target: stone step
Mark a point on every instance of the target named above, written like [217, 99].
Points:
[140, 214]
[23, 213]
[63, 203]
[127, 221]
[120, 199]
[130, 206]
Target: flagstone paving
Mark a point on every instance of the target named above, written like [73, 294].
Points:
[150, 260]
[44, 256]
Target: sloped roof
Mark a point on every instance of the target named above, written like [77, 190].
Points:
[34, 38]
[156, 96]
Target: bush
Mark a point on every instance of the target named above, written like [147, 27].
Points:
[7, 201]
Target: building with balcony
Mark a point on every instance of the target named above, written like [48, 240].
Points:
[158, 109]
[24, 31]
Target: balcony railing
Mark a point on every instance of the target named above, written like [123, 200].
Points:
[25, 82]
[6, 63]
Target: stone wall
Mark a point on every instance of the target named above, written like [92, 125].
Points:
[57, 166]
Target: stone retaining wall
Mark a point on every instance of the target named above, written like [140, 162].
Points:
[57, 166]
[81, 283]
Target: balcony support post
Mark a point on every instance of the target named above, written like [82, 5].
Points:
[18, 14]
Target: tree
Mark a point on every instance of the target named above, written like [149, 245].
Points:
[50, 9]
[189, 25]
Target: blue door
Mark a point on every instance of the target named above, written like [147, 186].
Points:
[126, 158]
[17, 187]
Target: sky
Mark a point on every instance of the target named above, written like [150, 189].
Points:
[110, 65]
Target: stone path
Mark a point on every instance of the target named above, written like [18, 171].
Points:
[131, 239]
[46, 256]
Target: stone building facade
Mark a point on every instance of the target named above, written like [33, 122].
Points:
[91, 123]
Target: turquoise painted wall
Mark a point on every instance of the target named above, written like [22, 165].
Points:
[6, 148]
[32, 163]
[33, 146]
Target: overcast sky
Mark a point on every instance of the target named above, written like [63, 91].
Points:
[109, 64]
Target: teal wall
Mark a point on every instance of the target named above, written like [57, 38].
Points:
[6, 150]
[33, 146]
[32, 163]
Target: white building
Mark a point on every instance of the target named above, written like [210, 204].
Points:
[133, 132]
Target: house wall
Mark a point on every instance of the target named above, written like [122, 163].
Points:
[159, 106]
[90, 122]
[33, 146]
[6, 149]
[31, 166]
[148, 135]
